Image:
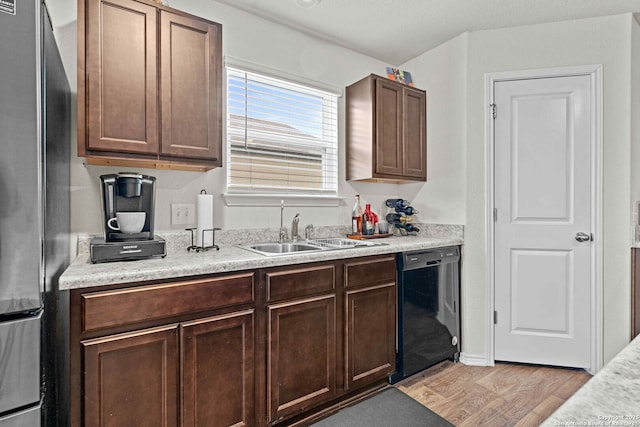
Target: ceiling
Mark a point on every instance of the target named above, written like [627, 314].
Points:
[395, 31]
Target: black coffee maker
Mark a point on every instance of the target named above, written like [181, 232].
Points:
[128, 192]
[128, 202]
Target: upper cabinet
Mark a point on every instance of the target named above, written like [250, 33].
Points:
[386, 131]
[149, 86]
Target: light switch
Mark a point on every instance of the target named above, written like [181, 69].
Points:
[182, 213]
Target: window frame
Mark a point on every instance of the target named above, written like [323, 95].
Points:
[273, 196]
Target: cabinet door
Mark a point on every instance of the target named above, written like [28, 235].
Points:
[121, 69]
[414, 138]
[191, 81]
[132, 379]
[370, 328]
[388, 147]
[217, 358]
[301, 359]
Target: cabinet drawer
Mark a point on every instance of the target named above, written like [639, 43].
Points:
[301, 282]
[107, 309]
[370, 271]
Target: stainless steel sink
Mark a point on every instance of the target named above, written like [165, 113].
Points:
[317, 245]
[342, 243]
[271, 249]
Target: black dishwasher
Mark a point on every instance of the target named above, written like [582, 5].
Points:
[428, 309]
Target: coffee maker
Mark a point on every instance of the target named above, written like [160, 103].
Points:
[128, 192]
[132, 194]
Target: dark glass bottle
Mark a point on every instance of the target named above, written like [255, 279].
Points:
[394, 218]
[409, 210]
[410, 228]
[369, 220]
[396, 203]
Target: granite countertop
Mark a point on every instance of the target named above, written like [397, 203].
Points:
[181, 263]
[610, 398]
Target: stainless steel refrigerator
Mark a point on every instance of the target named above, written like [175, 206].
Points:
[34, 215]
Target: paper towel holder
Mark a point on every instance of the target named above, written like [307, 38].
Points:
[203, 248]
[204, 231]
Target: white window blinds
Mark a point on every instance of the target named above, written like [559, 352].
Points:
[282, 137]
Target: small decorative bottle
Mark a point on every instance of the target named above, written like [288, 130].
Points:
[356, 217]
[369, 220]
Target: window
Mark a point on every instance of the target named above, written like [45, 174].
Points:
[281, 136]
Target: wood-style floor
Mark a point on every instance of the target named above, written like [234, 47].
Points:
[504, 395]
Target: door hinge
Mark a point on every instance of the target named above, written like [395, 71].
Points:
[494, 110]
[495, 214]
[495, 317]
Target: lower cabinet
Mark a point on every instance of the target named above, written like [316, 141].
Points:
[370, 329]
[218, 371]
[302, 355]
[257, 348]
[370, 320]
[185, 359]
[301, 338]
[330, 333]
[132, 379]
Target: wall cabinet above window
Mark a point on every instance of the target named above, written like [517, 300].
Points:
[386, 131]
[149, 86]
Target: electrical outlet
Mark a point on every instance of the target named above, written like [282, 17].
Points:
[182, 213]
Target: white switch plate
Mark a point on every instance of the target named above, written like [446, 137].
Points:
[183, 213]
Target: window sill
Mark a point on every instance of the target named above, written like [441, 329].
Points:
[276, 199]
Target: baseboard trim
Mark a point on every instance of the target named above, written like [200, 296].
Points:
[475, 359]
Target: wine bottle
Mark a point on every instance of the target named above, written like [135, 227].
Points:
[396, 203]
[410, 228]
[356, 217]
[394, 218]
[409, 210]
[369, 220]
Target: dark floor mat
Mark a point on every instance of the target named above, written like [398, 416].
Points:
[390, 407]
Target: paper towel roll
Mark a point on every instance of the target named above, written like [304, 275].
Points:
[204, 219]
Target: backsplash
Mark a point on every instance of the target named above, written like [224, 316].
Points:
[179, 240]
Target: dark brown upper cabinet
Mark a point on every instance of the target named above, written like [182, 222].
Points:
[149, 86]
[386, 131]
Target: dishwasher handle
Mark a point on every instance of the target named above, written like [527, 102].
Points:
[412, 261]
[429, 258]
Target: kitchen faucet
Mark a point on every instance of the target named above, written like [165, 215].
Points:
[308, 232]
[294, 225]
[294, 228]
[283, 230]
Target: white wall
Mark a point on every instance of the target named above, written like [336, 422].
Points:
[249, 38]
[591, 41]
[453, 76]
[442, 72]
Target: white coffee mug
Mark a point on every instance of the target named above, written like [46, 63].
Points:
[127, 222]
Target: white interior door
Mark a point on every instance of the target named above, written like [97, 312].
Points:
[543, 204]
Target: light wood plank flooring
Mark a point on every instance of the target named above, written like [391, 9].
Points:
[507, 394]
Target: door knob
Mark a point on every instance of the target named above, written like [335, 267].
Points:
[583, 237]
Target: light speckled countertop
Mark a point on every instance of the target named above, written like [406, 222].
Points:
[181, 263]
[610, 398]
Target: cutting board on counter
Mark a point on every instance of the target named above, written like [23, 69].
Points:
[368, 236]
